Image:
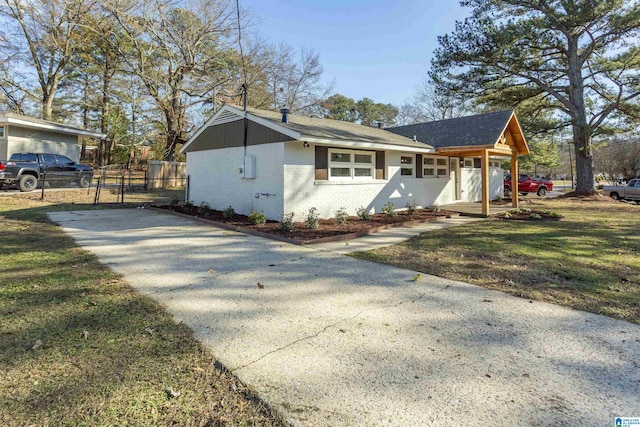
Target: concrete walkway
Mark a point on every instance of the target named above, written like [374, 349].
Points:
[332, 340]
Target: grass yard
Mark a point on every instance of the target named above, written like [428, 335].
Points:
[78, 346]
[589, 261]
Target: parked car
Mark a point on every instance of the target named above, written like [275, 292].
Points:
[631, 191]
[26, 169]
[527, 184]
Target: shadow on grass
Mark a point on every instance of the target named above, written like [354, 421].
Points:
[79, 346]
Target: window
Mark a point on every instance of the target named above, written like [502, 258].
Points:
[1, 131]
[64, 160]
[468, 162]
[435, 166]
[348, 164]
[49, 159]
[494, 163]
[406, 165]
[428, 167]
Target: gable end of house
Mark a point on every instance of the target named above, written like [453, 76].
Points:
[231, 134]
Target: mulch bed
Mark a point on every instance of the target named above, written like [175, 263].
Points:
[529, 215]
[328, 230]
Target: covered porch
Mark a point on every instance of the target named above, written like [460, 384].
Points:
[510, 143]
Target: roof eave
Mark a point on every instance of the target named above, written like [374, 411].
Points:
[51, 127]
[366, 145]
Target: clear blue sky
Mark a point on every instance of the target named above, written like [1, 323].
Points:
[380, 49]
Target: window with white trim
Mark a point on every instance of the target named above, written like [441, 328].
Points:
[442, 167]
[1, 131]
[407, 165]
[495, 163]
[351, 164]
[435, 166]
[467, 162]
[428, 167]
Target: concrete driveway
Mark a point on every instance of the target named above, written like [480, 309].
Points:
[331, 340]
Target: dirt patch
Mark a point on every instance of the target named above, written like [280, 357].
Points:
[597, 197]
[327, 230]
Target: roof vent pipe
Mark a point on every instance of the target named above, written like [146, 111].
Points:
[285, 114]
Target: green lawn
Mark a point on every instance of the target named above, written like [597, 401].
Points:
[78, 346]
[589, 261]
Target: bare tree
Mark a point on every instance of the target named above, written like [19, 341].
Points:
[295, 79]
[429, 104]
[48, 32]
[176, 50]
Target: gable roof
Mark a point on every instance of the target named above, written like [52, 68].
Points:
[34, 123]
[311, 129]
[479, 130]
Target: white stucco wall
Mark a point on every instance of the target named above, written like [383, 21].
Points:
[302, 191]
[214, 178]
[286, 172]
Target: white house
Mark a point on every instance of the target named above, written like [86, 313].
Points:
[279, 163]
[21, 134]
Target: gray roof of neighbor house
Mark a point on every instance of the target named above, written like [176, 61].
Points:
[311, 127]
[476, 130]
[32, 122]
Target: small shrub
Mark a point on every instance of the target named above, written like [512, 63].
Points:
[535, 216]
[286, 223]
[498, 198]
[551, 214]
[411, 206]
[228, 213]
[342, 217]
[257, 218]
[363, 213]
[174, 203]
[506, 215]
[389, 208]
[187, 205]
[313, 219]
[435, 207]
[204, 208]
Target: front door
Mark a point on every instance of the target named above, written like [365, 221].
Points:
[454, 163]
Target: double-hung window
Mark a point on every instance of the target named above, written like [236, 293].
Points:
[1, 131]
[407, 165]
[351, 164]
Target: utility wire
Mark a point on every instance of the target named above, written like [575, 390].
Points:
[244, 70]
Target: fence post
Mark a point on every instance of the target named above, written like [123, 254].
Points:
[122, 189]
[97, 196]
[44, 178]
[188, 187]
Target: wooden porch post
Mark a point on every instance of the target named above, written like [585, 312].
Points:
[514, 179]
[484, 168]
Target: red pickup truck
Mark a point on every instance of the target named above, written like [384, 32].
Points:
[528, 184]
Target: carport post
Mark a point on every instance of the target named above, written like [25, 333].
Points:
[514, 178]
[484, 168]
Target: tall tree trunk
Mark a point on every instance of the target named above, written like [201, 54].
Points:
[584, 162]
[47, 105]
[85, 115]
[105, 152]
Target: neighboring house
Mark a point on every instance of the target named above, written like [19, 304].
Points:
[21, 134]
[279, 163]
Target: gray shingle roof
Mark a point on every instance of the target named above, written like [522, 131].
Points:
[338, 130]
[476, 130]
